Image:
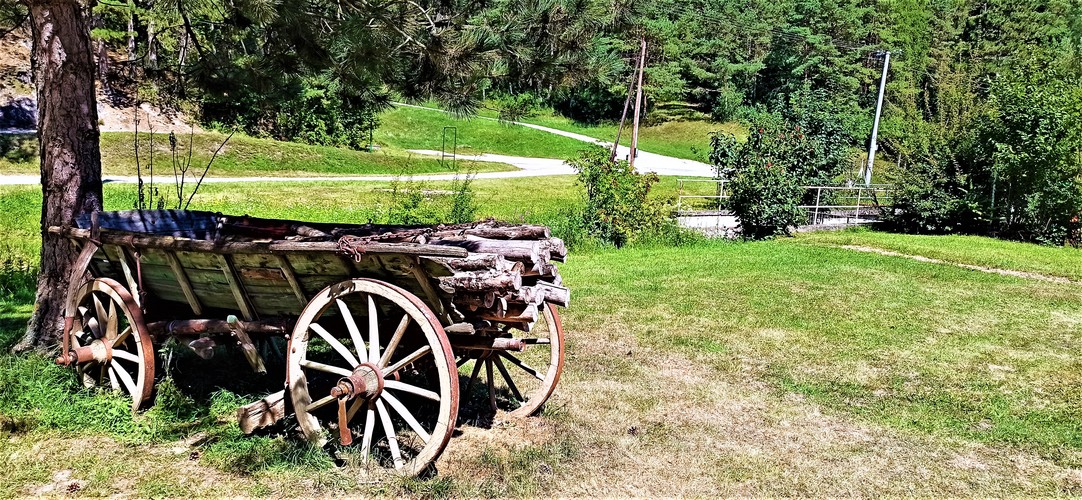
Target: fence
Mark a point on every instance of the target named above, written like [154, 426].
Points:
[824, 204]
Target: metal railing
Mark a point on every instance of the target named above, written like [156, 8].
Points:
[847, 204]
[707, 196]
[825, 204]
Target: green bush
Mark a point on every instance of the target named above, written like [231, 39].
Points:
[19, 148]
[1011, 168]
[931, 197]
[412, 202]
[515, 107]
[764, 198]
[1033, 140]
[618, 204]
[768, 171]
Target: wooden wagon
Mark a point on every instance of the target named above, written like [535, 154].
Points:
[381, 321]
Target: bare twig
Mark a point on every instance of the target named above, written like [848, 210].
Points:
[140, 200]
[200, 183]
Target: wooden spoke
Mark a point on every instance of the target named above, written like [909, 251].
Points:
[354, 332]
[354, 408]
[407, 416]
[412, 389]
[315, 365]
[473, 376]
[125, 355]
[102, 316]
[393, 344]
[369, 427]
[122, 337]
[125, 377]
[522, 365]
[320, 403]
[95, 327]
[461, 361]
[335, 344]
[507, 378]
[112, 322]
[373, 331]
[413, 356]
[113, 382]
[392, 438]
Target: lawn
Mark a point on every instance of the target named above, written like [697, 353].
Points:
[249, 156]
[688, 139]
[1062, 262]
[412, 128]
[785, 367]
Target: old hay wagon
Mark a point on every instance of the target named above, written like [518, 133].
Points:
[381, 321]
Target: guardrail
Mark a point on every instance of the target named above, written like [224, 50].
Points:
[826, 204]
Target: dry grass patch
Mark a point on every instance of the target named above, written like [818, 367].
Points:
[678, 426]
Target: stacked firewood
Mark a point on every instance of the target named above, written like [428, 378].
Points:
[507, 277]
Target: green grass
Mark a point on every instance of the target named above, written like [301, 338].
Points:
[249, 156]
[785, 367]
[1063, 262]
[688, 139]
[412, 128]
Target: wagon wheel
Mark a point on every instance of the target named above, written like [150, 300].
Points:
[520, 382]
[109, 333]
[371, 361]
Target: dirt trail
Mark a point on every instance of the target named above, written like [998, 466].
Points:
[983, 269]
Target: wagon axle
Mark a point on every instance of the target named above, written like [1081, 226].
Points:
[365, 382]
[99, 350]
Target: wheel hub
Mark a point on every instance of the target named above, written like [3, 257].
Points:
[366, 382]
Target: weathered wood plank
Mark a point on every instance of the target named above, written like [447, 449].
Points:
[246, 310]
[262, 413]
[182, 281]
[291, 277]
[430, 292]
[259, 247]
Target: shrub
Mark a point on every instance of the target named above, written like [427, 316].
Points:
[764, 197]
[415, 203]
[1034, 143]
[19, 148]
[769, 170]
[514, 107]
[618, 204]
[931, 197]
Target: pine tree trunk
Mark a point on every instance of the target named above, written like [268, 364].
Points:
[70, 155]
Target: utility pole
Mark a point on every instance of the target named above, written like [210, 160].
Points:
[623, 116]
[872, 147]
[638, 107]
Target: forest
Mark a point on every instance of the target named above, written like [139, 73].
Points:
[981, 119]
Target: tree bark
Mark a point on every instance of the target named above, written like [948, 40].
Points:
[69, 151]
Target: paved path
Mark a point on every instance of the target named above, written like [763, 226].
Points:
[529, 167]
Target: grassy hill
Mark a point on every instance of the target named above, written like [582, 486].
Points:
[412, 128]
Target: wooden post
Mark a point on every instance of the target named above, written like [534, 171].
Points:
[638, 107]
[623, 117]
